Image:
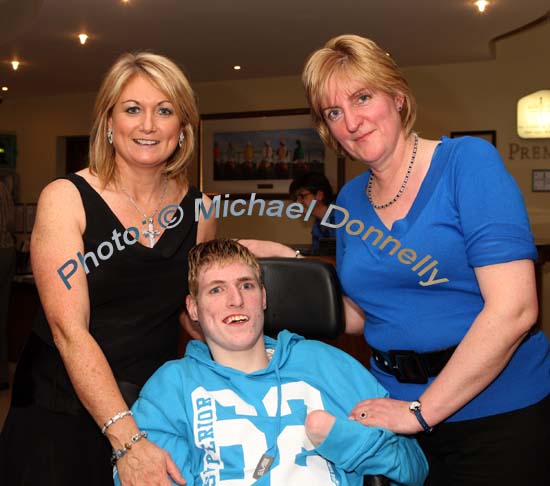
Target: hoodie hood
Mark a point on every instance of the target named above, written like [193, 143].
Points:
[282, 347]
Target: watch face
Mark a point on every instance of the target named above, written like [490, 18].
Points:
[414, 406]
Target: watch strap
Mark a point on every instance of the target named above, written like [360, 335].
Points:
[415, 408]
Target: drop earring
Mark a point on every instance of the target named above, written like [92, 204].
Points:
[181, 138]
[110, 136]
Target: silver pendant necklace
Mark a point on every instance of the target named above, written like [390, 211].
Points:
[402, 188]
[150, 232]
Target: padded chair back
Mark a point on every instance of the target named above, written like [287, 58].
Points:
[303, 296]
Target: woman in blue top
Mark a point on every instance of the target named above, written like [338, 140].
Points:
[435, 255]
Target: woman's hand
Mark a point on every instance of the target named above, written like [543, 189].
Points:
[146, 464]
[266, 249]
[386, 413]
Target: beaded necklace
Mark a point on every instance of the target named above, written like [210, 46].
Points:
[402, 188]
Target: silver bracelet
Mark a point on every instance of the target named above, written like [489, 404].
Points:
[114, 418]
[298, 254]
[119, 453]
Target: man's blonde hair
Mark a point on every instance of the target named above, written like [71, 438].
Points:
[220, 251]
[359, 59]
[168, 78]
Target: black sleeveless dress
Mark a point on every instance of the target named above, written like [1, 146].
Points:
[136, 296]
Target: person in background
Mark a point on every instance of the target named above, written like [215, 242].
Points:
[247, 409]
[298, 154]
[7, 270]
[441, 281]
[315, 187]
[106, 325]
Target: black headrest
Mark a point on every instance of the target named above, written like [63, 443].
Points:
[303, 296]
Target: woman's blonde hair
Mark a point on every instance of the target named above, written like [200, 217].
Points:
[169, 79]
[354, 57]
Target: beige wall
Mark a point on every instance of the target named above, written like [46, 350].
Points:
[464, 96]
[38, 123]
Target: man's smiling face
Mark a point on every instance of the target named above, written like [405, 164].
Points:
[229, 306]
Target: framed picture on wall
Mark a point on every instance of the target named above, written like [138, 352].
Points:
[489, 135]
[261, 152]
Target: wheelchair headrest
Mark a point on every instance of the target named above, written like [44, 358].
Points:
[303, 296]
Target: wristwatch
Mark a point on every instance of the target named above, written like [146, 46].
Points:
[415, 408]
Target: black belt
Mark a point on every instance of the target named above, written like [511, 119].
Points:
[413, 367]
[410, 366]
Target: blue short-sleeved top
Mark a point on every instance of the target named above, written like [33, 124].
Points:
[416, 282]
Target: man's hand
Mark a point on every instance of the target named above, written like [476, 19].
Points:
[318, 425]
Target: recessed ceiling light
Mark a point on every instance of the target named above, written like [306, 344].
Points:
[237, 67]
[83, 38]
[15, 65]
[4, 88]
[481, 5]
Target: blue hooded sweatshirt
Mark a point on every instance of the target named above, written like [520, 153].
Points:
[222, 427]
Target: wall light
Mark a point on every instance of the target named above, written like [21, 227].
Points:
[4, 88]
[83, 38]
[481, 5]
[237, 67]
[533, 120]
[15, 65]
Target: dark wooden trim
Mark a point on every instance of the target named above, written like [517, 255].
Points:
[489, 135]
[255, 114]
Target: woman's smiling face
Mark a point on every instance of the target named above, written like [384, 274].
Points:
[144, 123]
[365, 122]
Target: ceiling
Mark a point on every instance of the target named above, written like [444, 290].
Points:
[207, 37]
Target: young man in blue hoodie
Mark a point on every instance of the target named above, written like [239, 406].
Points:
[244, 409]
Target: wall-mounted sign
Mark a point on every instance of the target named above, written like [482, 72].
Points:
[528, 152]
[534, 115]
[541, 180]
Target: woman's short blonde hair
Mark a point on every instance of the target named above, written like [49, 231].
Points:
[359, 59]
[169, 79]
